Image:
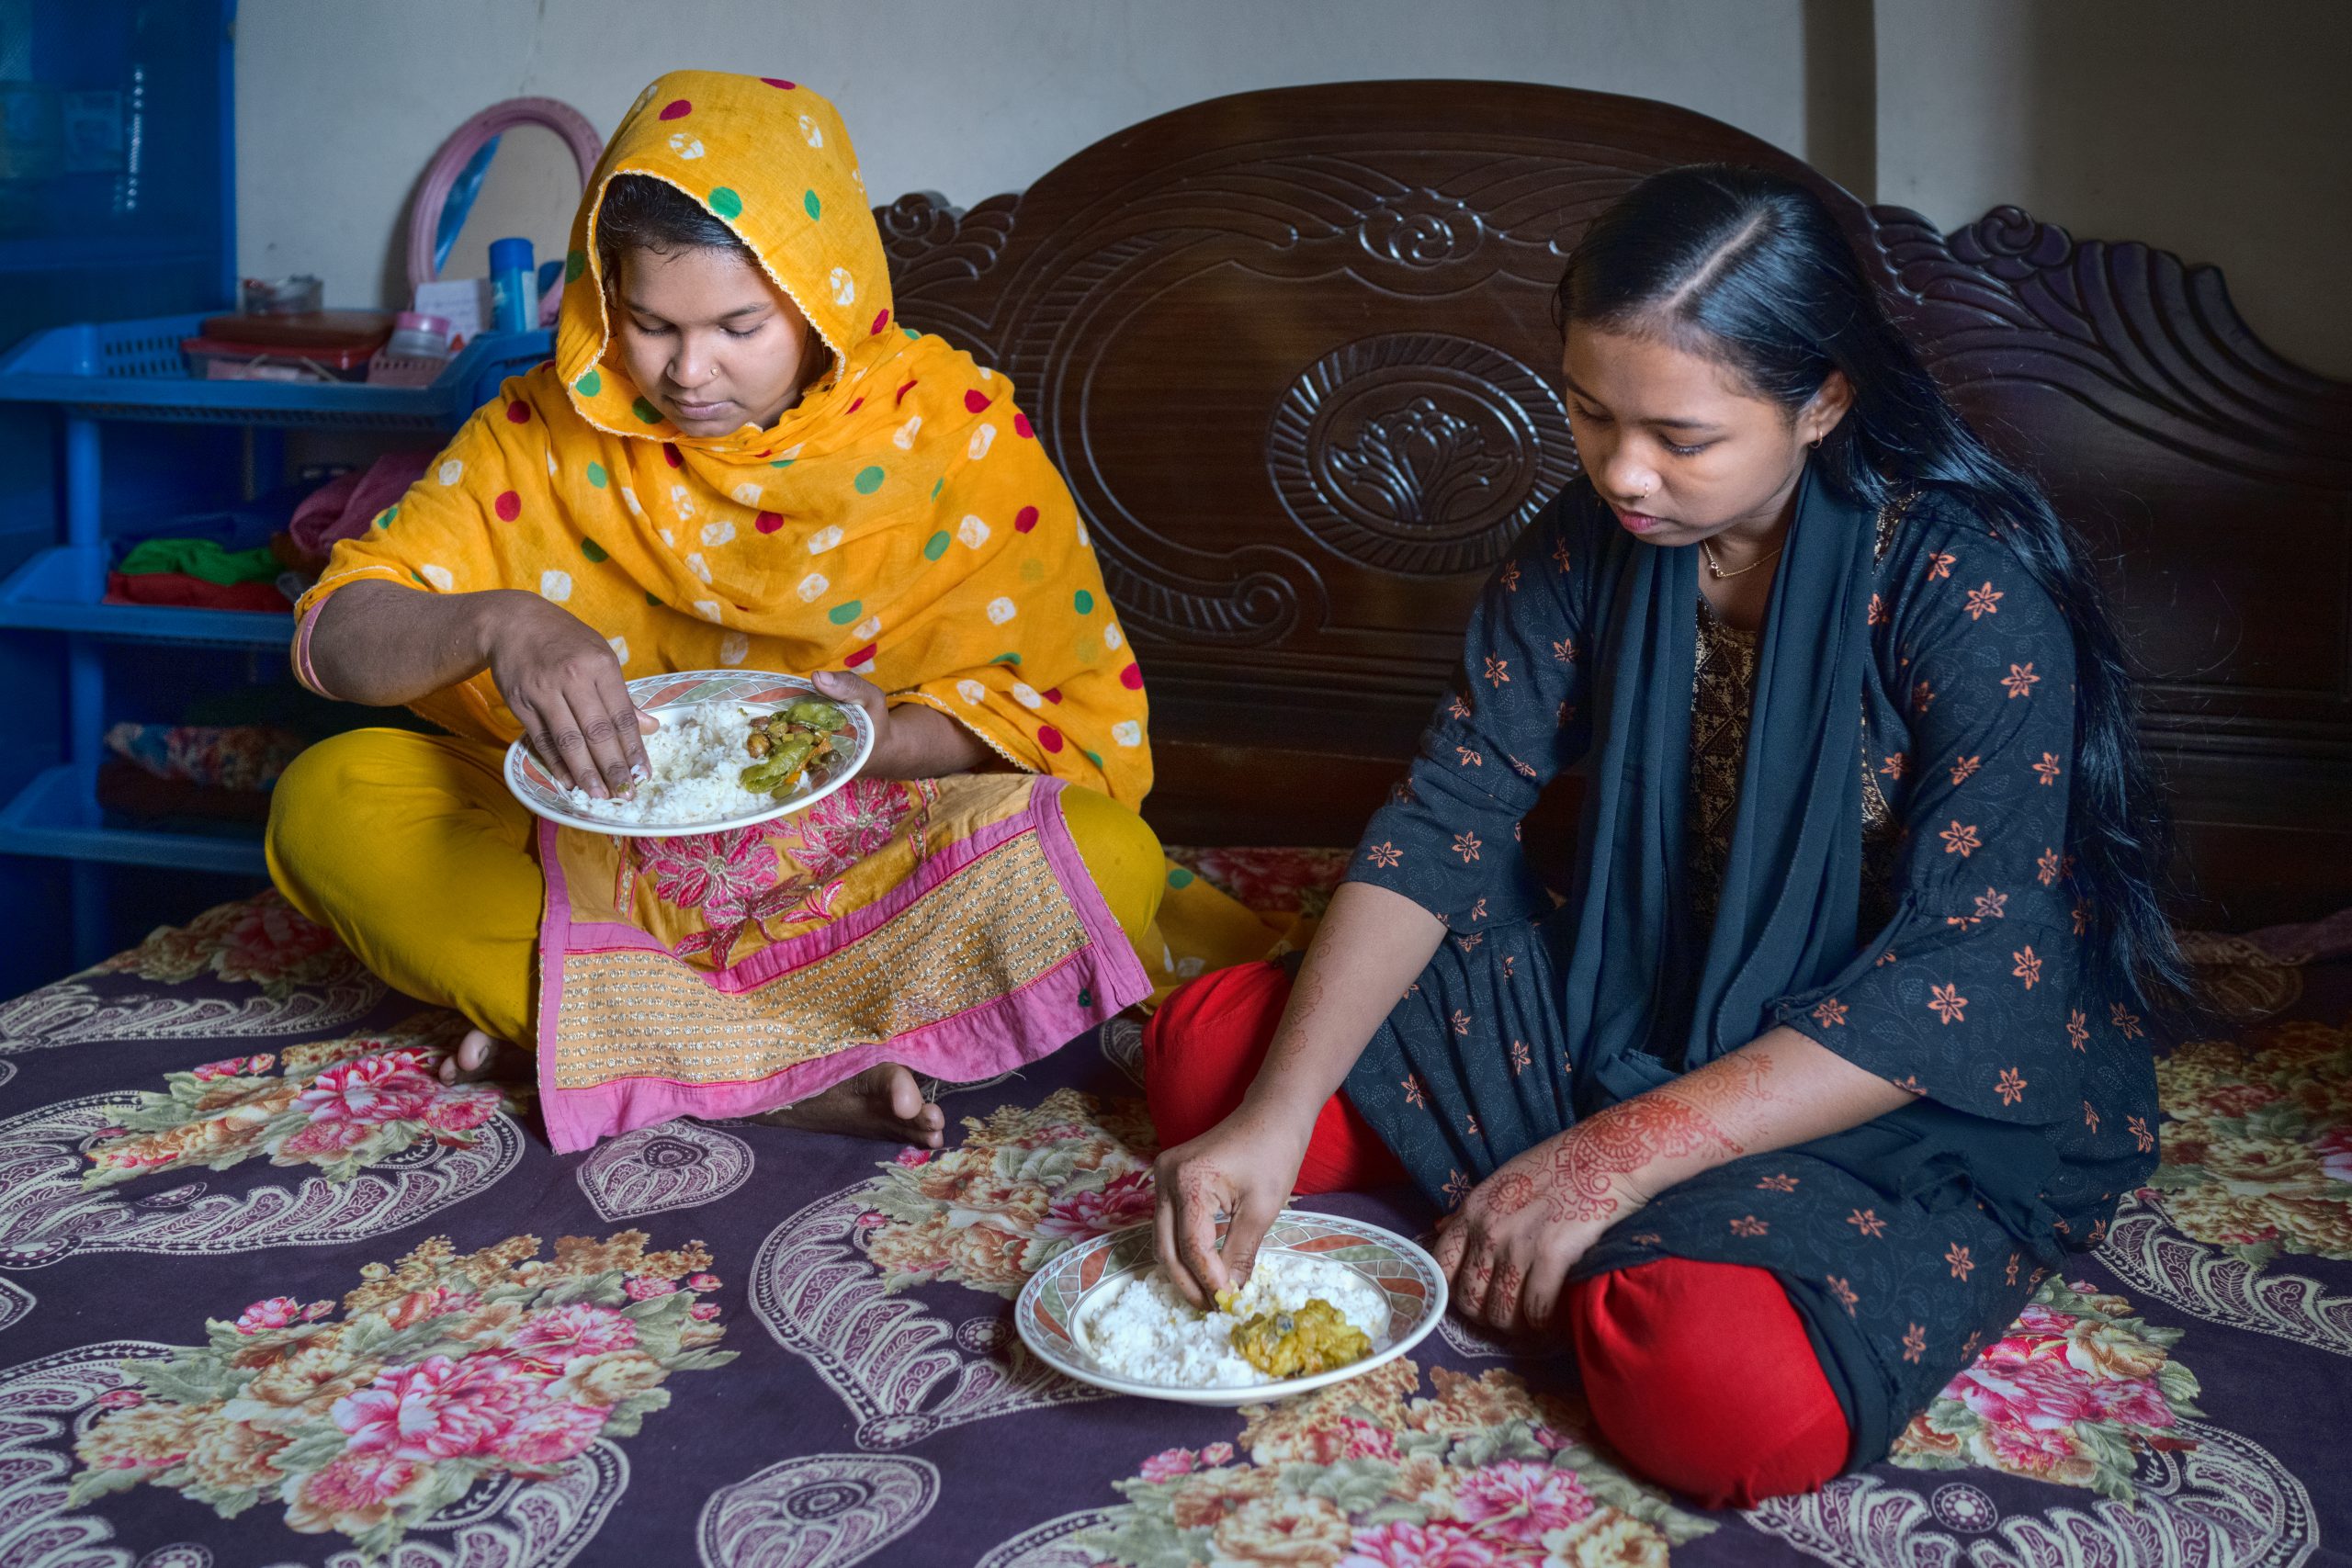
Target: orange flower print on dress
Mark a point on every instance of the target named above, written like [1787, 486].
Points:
[2138, 1128]
[1962, 1264]
[1510, 579]
[1921, 696]
[1750, 1225]
[1414, 1094]
[1461, 1021]
[1843, 1291]
[1567, 715]
[2127, 1022]
[2047, 768]
[2045, 867]
[2082, 917]
[1780, 1182]
[1960, 839]
[1877, 616]
[2021, 680]
[1498, 670]
[1458, 707]
[2009, 1274]
[1946, 1002]
[1478, 910]
[1963, 769]
[1467, 757]
[1565, 650]
[1470, 1127]
[1868, 1222]
[1384, 855]
[1990, 903]
[1830, 1013]
[2010, 1087]
[1519, 1057]
[1560, 554]
[2078, 1028]
[2028, 965]
[1894, 766]
[1915, 1342]
[1457, 1188]
[1467, 844]
[2090, 1116]
[1939, 565]
[1984, 601]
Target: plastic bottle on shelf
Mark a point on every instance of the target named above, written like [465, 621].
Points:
[515, 294]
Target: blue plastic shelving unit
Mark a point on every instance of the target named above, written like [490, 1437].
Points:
[93, 375]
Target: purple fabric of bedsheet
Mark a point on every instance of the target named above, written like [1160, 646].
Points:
[270, 1294]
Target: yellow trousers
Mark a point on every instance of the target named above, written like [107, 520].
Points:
[410, 848]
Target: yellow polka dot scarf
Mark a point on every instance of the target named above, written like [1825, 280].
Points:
[901, 521]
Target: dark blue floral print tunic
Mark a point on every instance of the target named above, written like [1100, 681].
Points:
[1905, 1243]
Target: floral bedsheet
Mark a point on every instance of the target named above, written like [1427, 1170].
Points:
[271, 1294]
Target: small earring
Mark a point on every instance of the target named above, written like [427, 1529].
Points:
[1817, 443]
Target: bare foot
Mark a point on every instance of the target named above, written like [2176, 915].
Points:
[880, 1102]
[480, 1057]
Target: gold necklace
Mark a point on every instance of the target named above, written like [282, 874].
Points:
[1751, 566]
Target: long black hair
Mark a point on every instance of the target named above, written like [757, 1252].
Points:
[1750, 269]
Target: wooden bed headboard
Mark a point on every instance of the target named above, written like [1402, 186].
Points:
[1294, 351]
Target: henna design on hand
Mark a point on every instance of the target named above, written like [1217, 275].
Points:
[1582, 1169]
[1508, 1192]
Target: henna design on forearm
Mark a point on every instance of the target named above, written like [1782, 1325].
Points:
[1579, 1171]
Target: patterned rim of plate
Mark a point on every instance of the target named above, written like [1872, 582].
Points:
[688, 688]
[1056, 1295]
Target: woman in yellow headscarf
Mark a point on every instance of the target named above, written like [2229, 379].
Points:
[737, 457]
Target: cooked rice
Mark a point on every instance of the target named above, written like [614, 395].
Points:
[1139, 1327]
[698, 759]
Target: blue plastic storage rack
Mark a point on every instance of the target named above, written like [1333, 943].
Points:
[134, 371]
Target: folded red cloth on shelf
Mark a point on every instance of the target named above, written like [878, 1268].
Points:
[182, 591]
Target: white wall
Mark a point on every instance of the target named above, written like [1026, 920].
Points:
[2138, 118]
[2223, 133]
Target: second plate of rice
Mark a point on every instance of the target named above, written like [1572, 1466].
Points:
[698, 756]
[1105, 1312]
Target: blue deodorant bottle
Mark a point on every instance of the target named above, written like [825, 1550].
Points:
[513, 290]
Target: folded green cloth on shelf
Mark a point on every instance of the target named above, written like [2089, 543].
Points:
[202, 558]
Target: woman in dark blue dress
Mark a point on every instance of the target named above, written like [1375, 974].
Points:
[1839, 1043]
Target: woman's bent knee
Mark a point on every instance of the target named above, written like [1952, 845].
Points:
[1701, 1375]
[1122, 854]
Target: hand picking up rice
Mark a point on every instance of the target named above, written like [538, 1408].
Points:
[1142, 1329]
[717, 761]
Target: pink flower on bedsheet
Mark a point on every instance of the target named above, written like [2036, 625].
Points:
[642, 1288]
[1442, 1543]
[322, 1141]
[355, 1492]
[437, 1409]
[276, 1313]
[548, 1433]
[557, 1336]
[1168, 1464]
[716, 873]
[1124, 1201]
[393, 1086]
[234, 1068]
[265, 938]
[462, 1108]
[1519, 1500]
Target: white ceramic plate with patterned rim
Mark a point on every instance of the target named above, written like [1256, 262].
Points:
[662, 696]
[1051, 1313]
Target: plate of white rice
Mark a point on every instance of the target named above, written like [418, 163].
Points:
[1106, 1313]
[697, 758]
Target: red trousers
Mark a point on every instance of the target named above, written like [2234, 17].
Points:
[1700, 1374]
